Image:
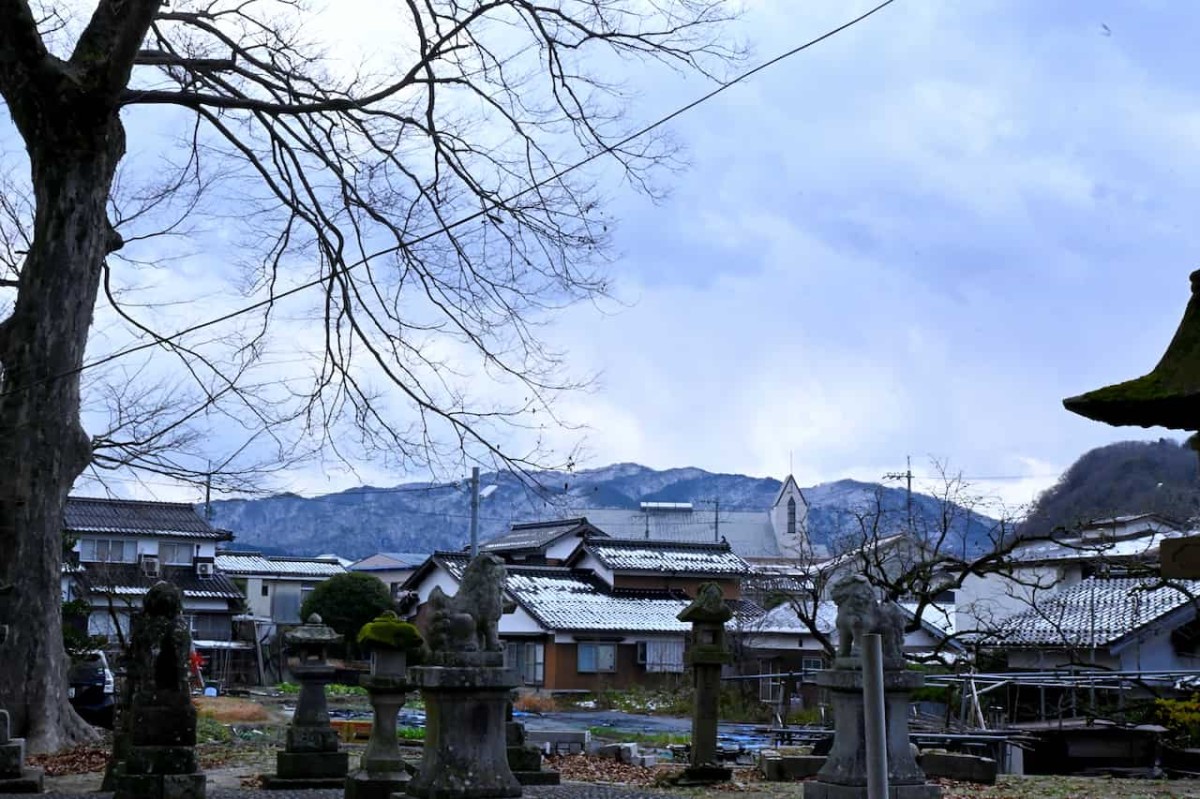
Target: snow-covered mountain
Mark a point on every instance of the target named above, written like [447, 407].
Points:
[422, 517]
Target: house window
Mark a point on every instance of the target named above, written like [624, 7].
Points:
[527, 658]
[662, 656]
[211, 627]
[306, 590]
[812, 664]
[176, 554]
[791, 516]
[594, 658]
[266, 589]
[107, 550]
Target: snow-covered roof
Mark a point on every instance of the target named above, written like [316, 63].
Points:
[1144, 546]
[940, 619]
[1095, 612]
[252, 563]
[536, 535]
[388, 561]
[784, 619]
[569, 600]
[667, 557]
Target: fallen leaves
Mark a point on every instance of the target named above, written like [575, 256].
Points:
[80, 760]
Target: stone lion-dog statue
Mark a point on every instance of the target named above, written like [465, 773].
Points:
[859, 612]
[469, 621]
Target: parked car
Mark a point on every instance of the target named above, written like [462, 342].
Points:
[91, 688]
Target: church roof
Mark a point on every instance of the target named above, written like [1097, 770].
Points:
[783, 489]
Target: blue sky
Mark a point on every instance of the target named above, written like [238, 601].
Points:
[913, 239]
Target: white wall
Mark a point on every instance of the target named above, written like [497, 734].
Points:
[982, 602]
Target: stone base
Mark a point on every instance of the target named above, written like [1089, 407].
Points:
[465, 756]
[376, 784]
[826, 790]
[958, 767]
[777, 767]
[706, 775]
[547, 777]
[30, 781]
[313, 765]
[160, 786]
[273, 782]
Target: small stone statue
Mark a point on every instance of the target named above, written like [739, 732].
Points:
[469, 620]
[858, 612]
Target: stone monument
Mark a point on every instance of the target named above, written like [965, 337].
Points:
[706, 655]
[393, 643]
[15, 776]
[160, 760]
[525, 759]
[844, 775]
[466, 688]
[311, 758]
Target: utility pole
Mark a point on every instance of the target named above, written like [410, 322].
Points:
[474, 511]
[208, 494]
[717, 520]
[907, 476]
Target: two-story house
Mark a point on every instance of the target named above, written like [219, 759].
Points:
[275, 587]
[592, 611]
[122, 547]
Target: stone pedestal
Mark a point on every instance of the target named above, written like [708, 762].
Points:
[465, 754]
[844, 775]
[15, 776]
[381, 771]
[525, 759]
[310, 758]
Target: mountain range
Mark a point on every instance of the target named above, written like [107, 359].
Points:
[423, 517]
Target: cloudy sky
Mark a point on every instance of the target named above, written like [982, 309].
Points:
[913, 239]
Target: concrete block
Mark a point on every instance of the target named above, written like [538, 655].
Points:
[12, 758]
[647, 761]
[959, 767]
[310, 765]
[311, 739]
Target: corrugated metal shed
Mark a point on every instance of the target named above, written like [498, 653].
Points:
[131, 517]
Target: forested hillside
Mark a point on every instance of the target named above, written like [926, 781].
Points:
[1127, 477]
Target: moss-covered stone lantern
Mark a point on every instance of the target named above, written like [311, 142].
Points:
[708, 653]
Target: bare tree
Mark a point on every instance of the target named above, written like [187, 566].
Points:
[912, 555]
[429, 202]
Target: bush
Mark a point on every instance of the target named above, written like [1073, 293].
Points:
[348, 601]
[1181, 717]
[535, 703]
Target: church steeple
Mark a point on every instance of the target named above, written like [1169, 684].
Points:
[789, 519]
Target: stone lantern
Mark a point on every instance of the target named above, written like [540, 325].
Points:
[392, 643]
[707, 654]
[311, 758]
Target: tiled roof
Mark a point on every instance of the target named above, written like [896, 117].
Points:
[253, 563]
[533, 535]
[784, 619]
[128, 579]
[569, 600]
[1095, 612]
[667, 556]
[130, 517]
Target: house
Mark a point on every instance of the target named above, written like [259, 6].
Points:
[781, 531]
[591, 611]
[122, 547]
[275, 587]
[1123, 623]
[392, 568]
[1040, 567]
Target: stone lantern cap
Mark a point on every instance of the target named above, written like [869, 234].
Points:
[312, 636]
[707, 608]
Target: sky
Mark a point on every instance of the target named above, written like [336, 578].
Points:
[912, 240]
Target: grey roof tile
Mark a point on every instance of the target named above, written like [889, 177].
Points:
[1095, 612]
[132, 517]
[239, 563]
[667, 557]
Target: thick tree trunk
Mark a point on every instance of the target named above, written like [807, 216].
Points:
[43, 447]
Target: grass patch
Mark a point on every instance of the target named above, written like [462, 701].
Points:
[230, 710]
[411, 733]
[643, 738]
[535, 703]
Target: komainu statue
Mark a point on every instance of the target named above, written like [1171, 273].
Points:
[859, 612]
[469, 620]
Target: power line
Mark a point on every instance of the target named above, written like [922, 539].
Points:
[604, 150]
